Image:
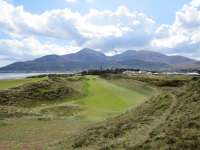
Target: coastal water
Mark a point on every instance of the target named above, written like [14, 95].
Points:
[4, 76]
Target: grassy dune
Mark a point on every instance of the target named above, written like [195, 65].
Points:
[113, 112]
[6, 84]
[49, 121]
[169, 120]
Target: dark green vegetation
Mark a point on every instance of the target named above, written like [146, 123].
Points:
[108, 112]
[90, 59]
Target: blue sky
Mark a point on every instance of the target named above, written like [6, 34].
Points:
[30, 28]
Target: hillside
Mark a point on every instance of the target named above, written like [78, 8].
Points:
[36, 113]
[151, 56]
[90, 59]
[49, 89]
[168, 121]
[144, 112]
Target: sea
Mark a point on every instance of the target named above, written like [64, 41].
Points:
[6, 76]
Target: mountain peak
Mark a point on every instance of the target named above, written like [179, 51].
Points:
[142, 52]
[88, 50]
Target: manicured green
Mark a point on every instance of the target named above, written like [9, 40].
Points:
[106, 99]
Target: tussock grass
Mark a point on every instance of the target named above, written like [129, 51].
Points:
[45, 91]
[168, 121]
[113, 112]
[6, 84]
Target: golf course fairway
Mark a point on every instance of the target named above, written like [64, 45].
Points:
[106, 99]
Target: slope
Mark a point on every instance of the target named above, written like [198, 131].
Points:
[107, 99]
[53, 120]
[167, 121]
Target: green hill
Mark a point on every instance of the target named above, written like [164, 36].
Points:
[109, 112]
[168, 121]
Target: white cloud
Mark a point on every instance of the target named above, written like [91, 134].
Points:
[30, 48]
[61, 24]
[72, 26]
[97, 29]
[183, 36]
[120, 29]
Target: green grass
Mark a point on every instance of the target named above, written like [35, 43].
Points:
[102, 99]
[32, 133]
[168, 121]
[105, 99]
[6, 84]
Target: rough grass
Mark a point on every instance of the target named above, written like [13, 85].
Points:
[6, 84]
[156, 80]
[169, 121]
[117, 112]
[41, 92]
[181, 130]
[48, 121]
[36, 133]
[62, 110]
[120, 132]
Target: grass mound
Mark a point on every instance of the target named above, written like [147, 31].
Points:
[6, 84]
[156, 80]
[181, 130]
[62, 110]
[13, 112]
[52, 89]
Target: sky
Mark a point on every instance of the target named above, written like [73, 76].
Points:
[30, 29]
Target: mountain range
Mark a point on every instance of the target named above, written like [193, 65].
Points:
[90, 59]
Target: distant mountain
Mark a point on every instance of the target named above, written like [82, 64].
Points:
[150, 56]
[91, 59]
[85, 55]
